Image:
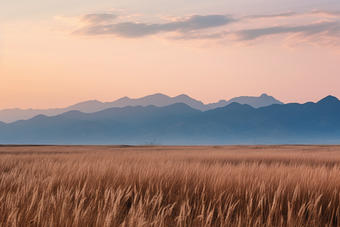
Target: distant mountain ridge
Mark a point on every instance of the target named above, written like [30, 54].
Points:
[158, 100]
[180, 124]
[256, 102]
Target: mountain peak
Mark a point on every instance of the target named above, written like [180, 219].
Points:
[123, 98]
[182, 96]
[329, 100]
[157, 99]
[157, 95]
[180, 107]
[39, 117]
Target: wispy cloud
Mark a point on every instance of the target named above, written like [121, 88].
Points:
[136, 30]
[277, 15]
[306, 30]
[90, 19]
[199, 36]
[214, 27]
[327, 13]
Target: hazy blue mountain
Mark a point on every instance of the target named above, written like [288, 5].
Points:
[158, 100]
[75, 127]
[311, 123]
[256, 102]
[137, 115]
[323, 116]
[58, 129]
[233, 124]
[243, 124]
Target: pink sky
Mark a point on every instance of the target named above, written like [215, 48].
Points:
[58, 57]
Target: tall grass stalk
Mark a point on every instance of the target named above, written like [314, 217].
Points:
[170, 186]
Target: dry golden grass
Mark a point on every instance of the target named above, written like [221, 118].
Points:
[170, 186]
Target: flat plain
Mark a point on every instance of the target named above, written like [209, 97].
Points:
[170, 185]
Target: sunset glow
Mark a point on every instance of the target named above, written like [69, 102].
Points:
[57, 53]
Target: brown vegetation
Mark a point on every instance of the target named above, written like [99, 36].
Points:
[170, 186]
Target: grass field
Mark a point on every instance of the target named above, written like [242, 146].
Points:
[169, 186]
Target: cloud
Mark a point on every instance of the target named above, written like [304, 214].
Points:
[330, 28]
[136, 30]
[277, 15]
[199, 36]
[327, 13]
[322, 33]
[210, 28]
[97, 18]
[90, 19]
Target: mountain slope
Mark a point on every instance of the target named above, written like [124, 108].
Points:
[180, 124]
[158, 100]
[256, 102]
[61, 130]
[233, 124]
[135, 116]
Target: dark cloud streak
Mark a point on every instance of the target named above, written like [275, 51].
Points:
[305, 30]
[330, 13]
[196, 27]
[200, 36]
[277, 15]
[136, 30]
[97, 18]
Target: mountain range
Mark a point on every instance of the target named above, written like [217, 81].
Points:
[180, 124]
[158, 100]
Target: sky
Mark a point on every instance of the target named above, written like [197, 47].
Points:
[60, 52]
